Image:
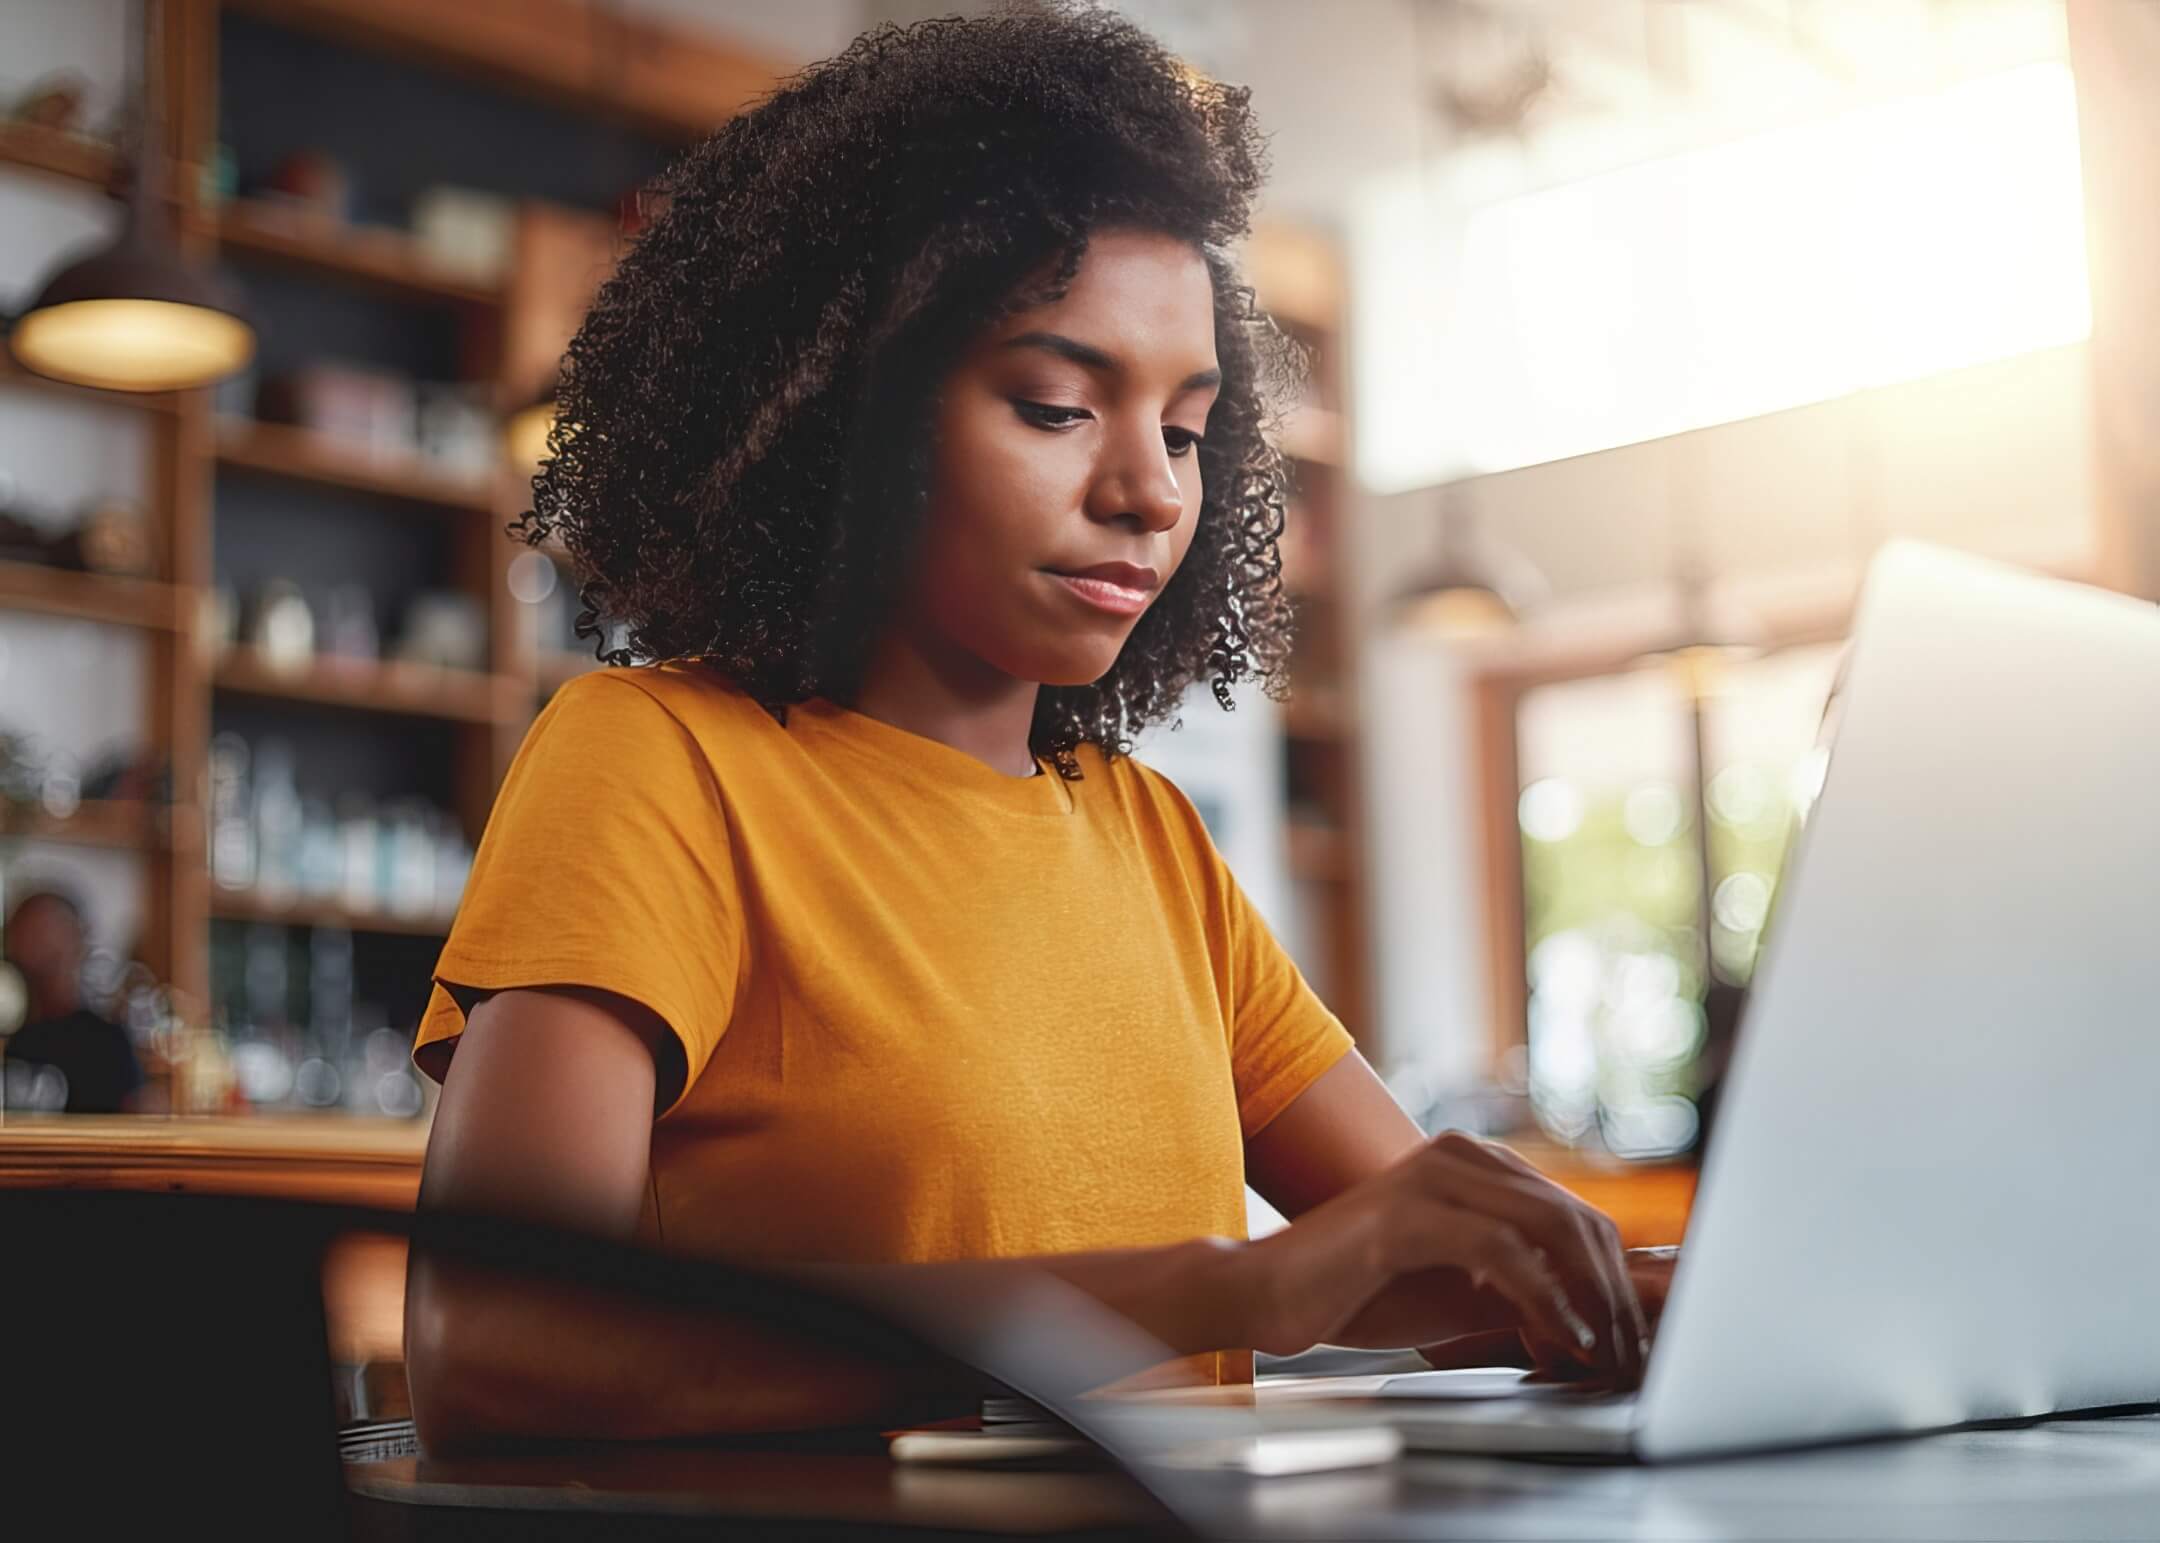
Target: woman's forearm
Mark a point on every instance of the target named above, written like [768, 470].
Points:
[493, 1360]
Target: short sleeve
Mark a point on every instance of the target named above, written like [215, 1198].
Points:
[1282, 1036]
[605, 863]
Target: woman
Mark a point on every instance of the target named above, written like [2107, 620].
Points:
[919, 440]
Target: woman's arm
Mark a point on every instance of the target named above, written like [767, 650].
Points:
[546, 1115]
[1347, 1129]
[1339, 1132]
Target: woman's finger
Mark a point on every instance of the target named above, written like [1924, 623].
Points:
[1652, 1275]
[1629, 1327]
[1488, 1347]
[1600, 1242]
[1464, 1183]
[1497, 1258]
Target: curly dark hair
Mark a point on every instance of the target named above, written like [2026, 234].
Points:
[740, 463]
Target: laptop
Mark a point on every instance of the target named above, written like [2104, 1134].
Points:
[1931, 1201]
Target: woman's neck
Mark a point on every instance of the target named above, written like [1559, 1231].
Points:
[944, 694]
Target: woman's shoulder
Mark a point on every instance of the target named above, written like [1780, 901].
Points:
[1149, 782]
[694, 695]
[647, 722]
[1156, 799]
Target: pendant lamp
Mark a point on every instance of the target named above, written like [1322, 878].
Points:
[136, 315]
[1461, 597]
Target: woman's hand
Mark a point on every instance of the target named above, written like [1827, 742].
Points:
[1460, 1237]
[1650, 1270]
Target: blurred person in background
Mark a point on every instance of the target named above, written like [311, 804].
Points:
[46, 940]
[918, 436]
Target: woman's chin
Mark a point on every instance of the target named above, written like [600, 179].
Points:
[1073, 662]
[1077, 672]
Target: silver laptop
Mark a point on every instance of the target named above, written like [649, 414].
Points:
[1932, 1198]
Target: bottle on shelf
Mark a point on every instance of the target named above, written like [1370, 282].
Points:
[280, 824]
[357, 835]
[322, 852]
[231, 815]
[411, 850]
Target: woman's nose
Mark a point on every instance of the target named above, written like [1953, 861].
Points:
[1138, 479]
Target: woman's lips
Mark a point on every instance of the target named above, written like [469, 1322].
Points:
[1104, 595]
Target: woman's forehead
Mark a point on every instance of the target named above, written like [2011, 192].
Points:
[1139, 301]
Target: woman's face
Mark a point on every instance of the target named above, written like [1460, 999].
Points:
[1066, 439]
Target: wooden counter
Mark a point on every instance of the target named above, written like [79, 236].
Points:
[336, 1158]
[377, 1162]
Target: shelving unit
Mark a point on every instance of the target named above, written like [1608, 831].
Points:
[413, 690]
[147, 603]
[242, 906]
[381, 258]
[118, 824]
[302, 455]
[596, 75]
[56, 153]
[617, 76]
[1297, 277]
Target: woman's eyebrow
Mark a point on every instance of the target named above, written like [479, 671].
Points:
[1093, 358]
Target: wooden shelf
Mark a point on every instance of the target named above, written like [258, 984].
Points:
[239, 905]
[664, 79]
[1306, 569]
[374, 257]
[95, 597]
[281, 450]
[1316, 714]
[119, 824]
[415, 690]
[58, 153]
[1313, 434]
[1316, 851]
[595, 64]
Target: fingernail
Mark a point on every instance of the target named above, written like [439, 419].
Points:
[1644, 1346]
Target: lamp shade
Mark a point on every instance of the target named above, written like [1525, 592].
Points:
[1707, 634]
[1454, 602]
[134, 317]
[1472, 590]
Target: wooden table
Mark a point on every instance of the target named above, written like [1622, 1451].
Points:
[748, 1493]
[2070, 1479]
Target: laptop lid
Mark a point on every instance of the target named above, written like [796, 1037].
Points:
[1930, 1199]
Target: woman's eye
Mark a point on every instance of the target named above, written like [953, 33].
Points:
[1043, 415]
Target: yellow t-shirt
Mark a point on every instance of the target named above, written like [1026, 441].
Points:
[928, 1010]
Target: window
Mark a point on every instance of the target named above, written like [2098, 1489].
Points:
[1613, 911]
[1891, 242]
